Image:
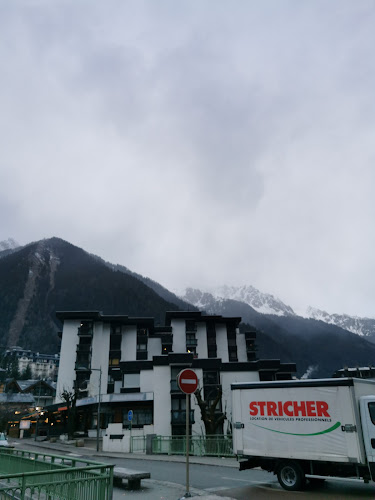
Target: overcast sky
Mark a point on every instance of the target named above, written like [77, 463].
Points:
[197, 142]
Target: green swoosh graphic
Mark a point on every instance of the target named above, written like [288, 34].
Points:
[337, 424]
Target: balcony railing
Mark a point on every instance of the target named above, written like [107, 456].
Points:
[178, 417]
[83, 365]
[85, 331]
[83, 348]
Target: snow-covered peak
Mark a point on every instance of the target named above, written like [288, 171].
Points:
[262, 302]
[360, 326]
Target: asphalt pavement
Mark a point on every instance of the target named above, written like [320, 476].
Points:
[151, 489]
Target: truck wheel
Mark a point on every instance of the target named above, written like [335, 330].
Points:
[291, 476]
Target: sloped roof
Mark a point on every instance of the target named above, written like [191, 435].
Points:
[25, 384]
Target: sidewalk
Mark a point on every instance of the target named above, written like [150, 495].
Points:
[151, 489]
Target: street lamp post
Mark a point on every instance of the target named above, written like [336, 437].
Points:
[99, 398]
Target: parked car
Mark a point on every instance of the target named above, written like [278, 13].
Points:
[3, 440]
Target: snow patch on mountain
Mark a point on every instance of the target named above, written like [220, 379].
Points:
[9, 244]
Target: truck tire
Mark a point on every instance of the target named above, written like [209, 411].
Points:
[291, 476]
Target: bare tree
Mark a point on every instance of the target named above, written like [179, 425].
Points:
[70, 398]
[212, 419]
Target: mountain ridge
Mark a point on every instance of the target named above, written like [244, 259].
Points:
[42, 277]
[269, 304]
[52, 274]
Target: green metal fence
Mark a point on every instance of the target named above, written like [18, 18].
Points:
[138, 444]
[219, 446]
[25, 475]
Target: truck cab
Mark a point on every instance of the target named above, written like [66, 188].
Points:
[367, 411]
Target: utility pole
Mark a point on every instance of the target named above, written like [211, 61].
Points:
[99, 400]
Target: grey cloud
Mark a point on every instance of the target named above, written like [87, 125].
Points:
[246, 129]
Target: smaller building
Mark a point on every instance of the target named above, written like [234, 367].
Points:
[43, 391]
[12, 406]
[42, 366]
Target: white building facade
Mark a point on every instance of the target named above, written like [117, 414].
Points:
[137, 364]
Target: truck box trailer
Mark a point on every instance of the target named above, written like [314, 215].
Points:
[299, 428]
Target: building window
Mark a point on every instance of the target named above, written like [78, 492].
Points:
[175, 370]
[191, 339]
[232, 344]
[166, 348]
[131, 380]
[211, 340]
[190, 326]
[192, 350]
[232, 351]
[115, 345]
[141, 417]
[85, 328]
[142, 340]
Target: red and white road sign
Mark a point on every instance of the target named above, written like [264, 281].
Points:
[187, 381]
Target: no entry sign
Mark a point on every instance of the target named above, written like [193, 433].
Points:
[187, 381]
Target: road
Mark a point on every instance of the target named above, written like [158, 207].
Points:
[254, 484]
[230, 482]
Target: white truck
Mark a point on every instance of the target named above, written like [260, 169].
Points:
[302, 429]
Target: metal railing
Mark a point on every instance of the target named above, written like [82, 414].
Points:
[220, 446]
[27, 475]
[138, 444]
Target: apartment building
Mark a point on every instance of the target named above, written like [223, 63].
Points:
[132, 365]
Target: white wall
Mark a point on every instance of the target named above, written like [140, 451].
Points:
[201, 335]
[241, 347]
[147, 381]
[129, 343]
[222, 342]
[122, 445]
[69, 341]
[162, 400]
[153, 348]
[100, 358]
[179, 335]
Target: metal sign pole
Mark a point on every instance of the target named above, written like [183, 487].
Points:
[187, 494]
[187, 381]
